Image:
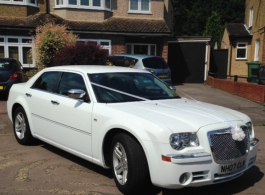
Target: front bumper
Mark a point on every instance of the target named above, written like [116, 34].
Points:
[195, 169]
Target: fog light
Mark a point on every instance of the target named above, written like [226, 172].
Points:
[185, 178]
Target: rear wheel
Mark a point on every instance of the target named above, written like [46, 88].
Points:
[21, 127]
[129, 165]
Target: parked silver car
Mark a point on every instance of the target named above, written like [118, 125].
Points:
[154, 64]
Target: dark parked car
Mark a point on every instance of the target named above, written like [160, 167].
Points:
[261, 75]
[10, 73]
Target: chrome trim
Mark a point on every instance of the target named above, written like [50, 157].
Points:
[218, 132]
[63, 125]
[228, 131]
[189, 157]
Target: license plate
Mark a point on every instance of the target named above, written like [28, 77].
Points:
[229, 168]
[163, 76]
[1, 87]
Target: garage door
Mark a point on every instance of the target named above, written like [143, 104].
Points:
[187, 61]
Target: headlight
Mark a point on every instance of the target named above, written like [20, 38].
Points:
[179, 141]
[249, 127]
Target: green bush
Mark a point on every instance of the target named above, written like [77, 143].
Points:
[49, 39]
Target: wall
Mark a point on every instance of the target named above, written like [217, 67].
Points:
[16, 11]
[249, 91]
[238, 67]
[120, 8]
[258, 27]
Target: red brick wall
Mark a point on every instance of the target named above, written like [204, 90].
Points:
[250, 91]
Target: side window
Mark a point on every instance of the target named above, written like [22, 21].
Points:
[71, 81]
[46, 81]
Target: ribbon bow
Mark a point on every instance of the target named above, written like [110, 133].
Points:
[237, 133]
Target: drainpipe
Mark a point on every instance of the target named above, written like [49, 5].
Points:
[230, 60]
[47, 7]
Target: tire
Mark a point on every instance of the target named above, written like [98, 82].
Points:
[129, 165]
[21, 127]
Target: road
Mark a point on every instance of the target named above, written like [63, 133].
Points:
[45, 170]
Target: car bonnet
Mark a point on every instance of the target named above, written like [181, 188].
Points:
[181, 114]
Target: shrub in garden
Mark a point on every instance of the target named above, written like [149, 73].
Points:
[88, 53]
[49, 39]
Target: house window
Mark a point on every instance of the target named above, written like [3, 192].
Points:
[105, 44]
[2, 51]
[241, 51]
[257, 46]
[146, 49]
[139, 6]
[19, 2]
[250, 22]
[18, 48]
[96, 3]
[84, 4]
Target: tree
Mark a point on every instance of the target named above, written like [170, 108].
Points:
[215, 29]
[190, 16]
[88, 53]
[49, 39]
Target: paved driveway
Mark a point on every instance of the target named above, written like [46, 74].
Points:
[45, 170]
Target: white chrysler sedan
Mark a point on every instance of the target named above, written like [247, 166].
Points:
[128, 120]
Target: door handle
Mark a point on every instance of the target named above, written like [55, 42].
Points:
[28, 94]
[55, 102]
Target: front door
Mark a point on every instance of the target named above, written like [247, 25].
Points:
[60, 120]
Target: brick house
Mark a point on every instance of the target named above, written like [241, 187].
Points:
[246, 42]
[120, 26]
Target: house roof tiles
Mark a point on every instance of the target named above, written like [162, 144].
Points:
[237, 30]
[114, 24]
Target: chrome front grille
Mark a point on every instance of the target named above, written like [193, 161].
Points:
[224, 148]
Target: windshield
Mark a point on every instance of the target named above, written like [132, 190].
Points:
[127, 87]
[155, 63]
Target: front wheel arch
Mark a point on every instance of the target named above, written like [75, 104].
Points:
[21, 126]
[108, 140]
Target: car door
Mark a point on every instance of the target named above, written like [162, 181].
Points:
[58, 119]
[39, 102]
[72, 117]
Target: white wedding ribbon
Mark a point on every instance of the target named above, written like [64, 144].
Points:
[237, 132]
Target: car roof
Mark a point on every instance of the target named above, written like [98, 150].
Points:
[141, 56]
[8, 59]
[91, 69]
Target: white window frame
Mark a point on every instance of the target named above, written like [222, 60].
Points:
[250, 22]
[23, 2]
[20, 45]
[149, 47]
[257, 49]
[98, 41]
[139, 11]
[65, 4]
[242, 47]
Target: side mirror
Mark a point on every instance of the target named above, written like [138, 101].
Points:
[76, 93]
